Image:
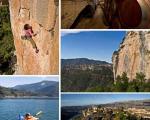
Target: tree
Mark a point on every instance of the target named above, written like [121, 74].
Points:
[140, 77]
[6, 42]
[141, 81]
[121, 115]
[122, 83]
[125, 81]
[118, 84]
[133, 86]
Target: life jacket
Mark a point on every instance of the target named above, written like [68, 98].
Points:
[30, 118]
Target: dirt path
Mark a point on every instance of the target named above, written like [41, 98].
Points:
[93, 23]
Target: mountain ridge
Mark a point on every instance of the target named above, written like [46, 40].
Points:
[9, 92]
[83, 74]
[83, 60]
[47, 88]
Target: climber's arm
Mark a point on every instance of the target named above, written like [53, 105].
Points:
[32, 33]
[36, 33]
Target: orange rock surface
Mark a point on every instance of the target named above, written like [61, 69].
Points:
[133, 55]
[43, 16]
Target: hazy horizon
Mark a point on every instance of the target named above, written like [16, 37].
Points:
[11, 81]
[95, 99]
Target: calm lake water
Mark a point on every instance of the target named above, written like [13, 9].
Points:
[10, 108]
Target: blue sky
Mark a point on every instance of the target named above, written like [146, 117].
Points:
[11, 81]
[88, 99]
[98, 45]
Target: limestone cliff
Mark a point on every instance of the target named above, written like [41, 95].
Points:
[43, 16]
[133, 55]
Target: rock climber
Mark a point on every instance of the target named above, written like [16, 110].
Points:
[28, 116]
[28, 34]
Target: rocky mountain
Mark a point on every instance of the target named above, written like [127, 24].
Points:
[133, 55]
[44, 88]
[43, 16]
[83, 74]
[70, 17]
[83, 63]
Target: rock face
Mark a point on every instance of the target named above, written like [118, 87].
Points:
[72, 9]
[43, 16]
[133, 55]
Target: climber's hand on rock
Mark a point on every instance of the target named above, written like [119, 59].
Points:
[34, 34]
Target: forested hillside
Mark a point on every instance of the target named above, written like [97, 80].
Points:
[86, 75]
[7, 58]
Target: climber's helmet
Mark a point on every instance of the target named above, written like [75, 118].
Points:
[27, 26]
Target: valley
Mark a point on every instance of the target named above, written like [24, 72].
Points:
[83, 74]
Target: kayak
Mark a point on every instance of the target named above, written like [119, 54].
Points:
[21, 117]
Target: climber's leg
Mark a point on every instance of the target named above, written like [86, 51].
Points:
[33, 44]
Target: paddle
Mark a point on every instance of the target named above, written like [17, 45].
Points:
[36, 116]
[38, 113]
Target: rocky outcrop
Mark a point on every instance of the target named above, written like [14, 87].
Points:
[43, 16]
[133, 55]
[72, 10]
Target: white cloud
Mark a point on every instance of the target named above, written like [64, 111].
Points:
[64, 33]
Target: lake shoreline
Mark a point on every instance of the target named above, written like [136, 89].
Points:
[29, 97]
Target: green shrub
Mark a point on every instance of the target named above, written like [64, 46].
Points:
[6, 42]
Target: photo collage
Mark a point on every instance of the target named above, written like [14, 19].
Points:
[74, 59]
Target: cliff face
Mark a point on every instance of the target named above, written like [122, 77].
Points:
[133, 55]
[72, 9]
[43, 16]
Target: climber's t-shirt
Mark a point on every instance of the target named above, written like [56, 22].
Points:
[28, 33]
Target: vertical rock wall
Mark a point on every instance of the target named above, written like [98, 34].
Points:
[43, 16]
[133, 55]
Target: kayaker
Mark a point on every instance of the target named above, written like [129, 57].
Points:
[28, 116]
